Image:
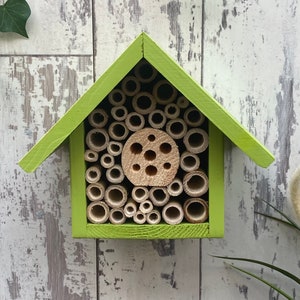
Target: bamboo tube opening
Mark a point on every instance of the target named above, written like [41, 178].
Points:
[164, 92]
[139, 193]
[93, 174]
[195, 183]
[107, 161]
[145, 72]
[97, 212]
[196, 140]
[114, 148]
[98, 118]
[193, 117]
[135, 121]
[116, 97]
[143, 103]
[176, 128]
[115, 196]
[139, 217]
[130, 85]
[146, 207]
[130, 208]
[118, 131]
[182, 102]
[117, 216]
[153, 217]
[172, 111]
[115, 174]
[189, 161]
[91, 155]
[172, 213]
[159, 196]
[95, 191]
[97, 139]
[175, 188]
[195, 210]
[119, 113]
[157, 119]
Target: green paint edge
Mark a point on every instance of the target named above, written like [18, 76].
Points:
[206, 104]
[82, 107]
[216, 181]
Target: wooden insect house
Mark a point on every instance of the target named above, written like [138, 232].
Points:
[146, 151]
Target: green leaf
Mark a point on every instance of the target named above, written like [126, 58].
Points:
[292, 223]
[280, 291]
[13, 16]
[282, 271]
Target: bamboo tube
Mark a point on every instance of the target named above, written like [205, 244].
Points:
[91, 155]
[139, 217]
[117, 216]
[157, 119]
[97, 212]
[98, 118]
[146, 207]
[195, 210]
[97, 139]
[115, 195]
[130, 85]
[93, 174]
[115, 174]
[139, 193]
[144, 72]
[189, 161]
[150, 157]
[196, 140]
[175, 188]
[143, 103]
[154, 217]
[176, 128]
[159, 196]
[116, 97]
[135, 121]
[118, 131]
[172, 213]
[107, 161]
[195, 183]
[130, 208]
[172, 111]
[95, 191]
[193, 117]
[182, 102]
[164, 92]
[119, 113]
[114, 148]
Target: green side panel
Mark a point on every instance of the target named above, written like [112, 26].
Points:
[160, 231]
[80, 110]
[78, 168]
[216, 181]
[206, 104]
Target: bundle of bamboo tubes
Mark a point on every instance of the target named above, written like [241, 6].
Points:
[146, 154]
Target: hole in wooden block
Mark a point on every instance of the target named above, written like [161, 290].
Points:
[149, 155]
[136, 148]
[136, 167]
[151, 170]
[151, 138]
[165, 148]
[167, 166]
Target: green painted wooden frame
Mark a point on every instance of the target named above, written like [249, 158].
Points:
[220, 123]
[213, 228]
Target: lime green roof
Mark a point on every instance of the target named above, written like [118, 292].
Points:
[145, 47]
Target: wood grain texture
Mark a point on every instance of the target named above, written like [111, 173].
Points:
[60, 27]
[140, 269]
[250, 59]
[39, 259]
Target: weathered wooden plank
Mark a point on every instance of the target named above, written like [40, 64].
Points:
[54, 27]
[139, 269]
[250, 54]
[39, 258]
